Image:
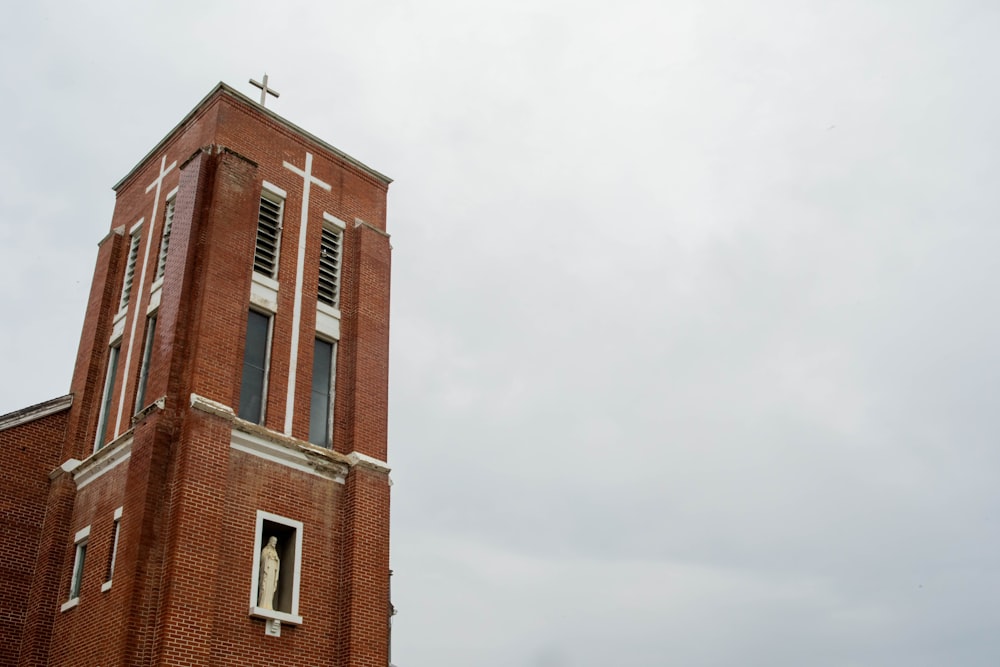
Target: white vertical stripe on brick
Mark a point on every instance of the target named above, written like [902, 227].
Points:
[308, 179]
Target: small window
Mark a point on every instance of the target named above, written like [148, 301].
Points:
[110, 572]
[168, 221]
[133, 255]
[147, 354]
[265, 258]
[103, 421]
[80, 557]
[277, 563]
[329, 267]
[253, 387]
[323, 382]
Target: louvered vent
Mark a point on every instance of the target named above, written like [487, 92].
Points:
[133, 254]
[168, 221]
[265, 259]
[329, 268]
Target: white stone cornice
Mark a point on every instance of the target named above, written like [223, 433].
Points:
[67, 467]
[104, 459]
[158, 404]
[212, 407]
[359, 459]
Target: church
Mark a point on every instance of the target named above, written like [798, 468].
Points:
[213, 490]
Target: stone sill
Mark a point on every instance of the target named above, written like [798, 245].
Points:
[291, 619]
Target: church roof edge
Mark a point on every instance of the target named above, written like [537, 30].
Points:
[35, 412]
[225, 89]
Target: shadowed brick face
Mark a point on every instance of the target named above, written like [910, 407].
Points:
[188, 491]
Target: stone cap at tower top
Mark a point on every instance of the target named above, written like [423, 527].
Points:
[223, 89]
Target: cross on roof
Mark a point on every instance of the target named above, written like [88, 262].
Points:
[264, 90]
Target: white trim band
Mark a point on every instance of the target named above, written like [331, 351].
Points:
[288, 455]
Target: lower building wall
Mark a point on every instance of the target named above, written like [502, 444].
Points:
[257, 484]
[80, 633]
[200, 612]
[28, 453]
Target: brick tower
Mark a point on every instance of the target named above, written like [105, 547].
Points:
[213, 490]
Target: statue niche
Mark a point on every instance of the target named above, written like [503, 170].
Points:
[275, 562]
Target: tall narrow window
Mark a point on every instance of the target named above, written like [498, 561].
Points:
[265, 258]
[133, 255]
[103, 421]
[80, 556]
[168, 221]
[329, 267]
[321, 406]
[147, 354]
[110, 572]
[253, 388]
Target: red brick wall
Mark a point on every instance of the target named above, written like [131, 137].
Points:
[92, 356]
[74, 641]
[28, 453]
[364, 611]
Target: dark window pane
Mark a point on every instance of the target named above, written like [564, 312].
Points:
[140, 395]
[322, 384]
[254, 369]
[104, 420]
[81, 556]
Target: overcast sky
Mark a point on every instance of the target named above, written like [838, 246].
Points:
[694, 339]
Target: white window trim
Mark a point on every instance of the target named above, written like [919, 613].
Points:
[292, 618]
[117, 527]
[79, 541]
[118, 331]
[274, 189]
[334, 220]
[327, 322]
[264, 293]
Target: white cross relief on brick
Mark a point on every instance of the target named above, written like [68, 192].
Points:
[158, 185]
[308, 179]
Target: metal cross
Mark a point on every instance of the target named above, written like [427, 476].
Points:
[264, 90]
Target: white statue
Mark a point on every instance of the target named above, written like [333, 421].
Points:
[269, 565]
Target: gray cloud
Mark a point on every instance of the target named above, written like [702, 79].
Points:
[694, 356]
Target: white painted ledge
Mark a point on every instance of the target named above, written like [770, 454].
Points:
[211, 407]
[357, 458]
[103, 460]
[273, 615]
[66, 606]
[290, 453]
